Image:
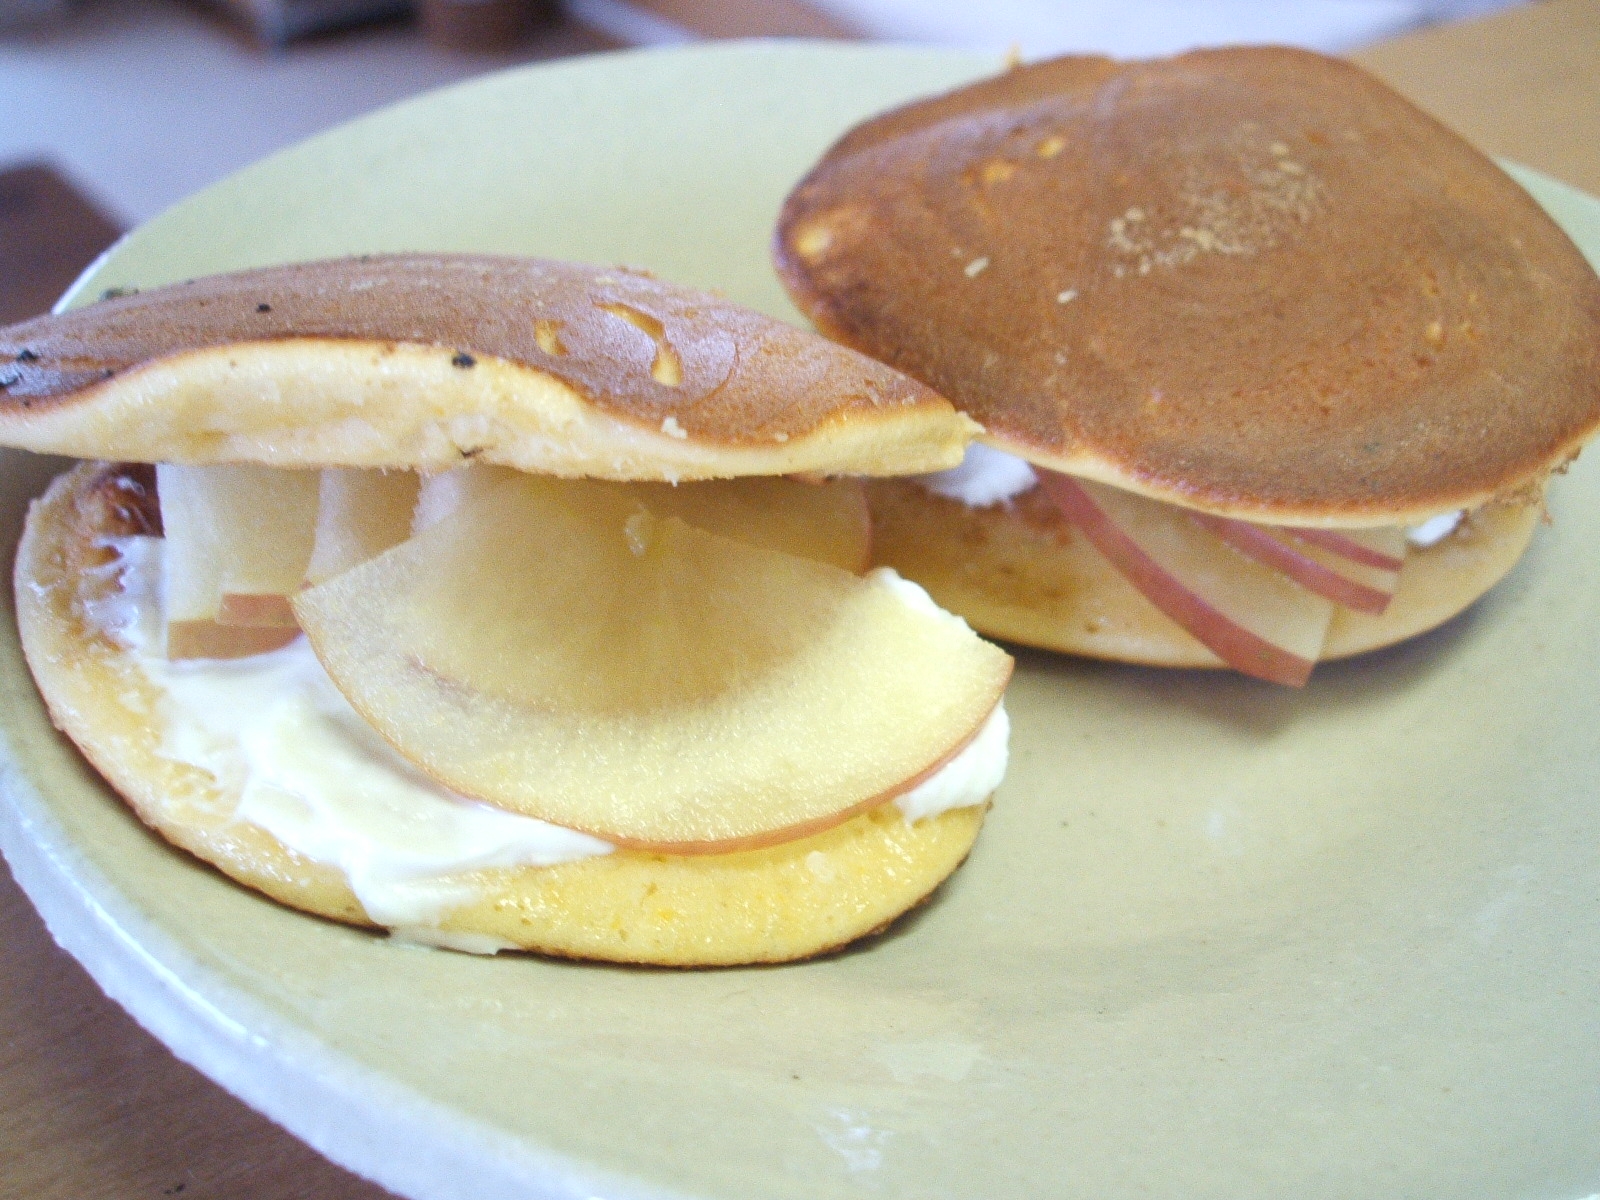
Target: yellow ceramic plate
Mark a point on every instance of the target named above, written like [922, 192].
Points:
[1219, 939]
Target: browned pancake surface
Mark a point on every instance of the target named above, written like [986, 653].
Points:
[1251, 280]
[664, 360]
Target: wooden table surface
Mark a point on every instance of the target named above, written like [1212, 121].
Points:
[91, 1106]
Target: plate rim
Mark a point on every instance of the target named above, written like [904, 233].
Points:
[220, 1029]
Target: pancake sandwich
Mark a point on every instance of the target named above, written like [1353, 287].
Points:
[1273, 368]
[468, 597]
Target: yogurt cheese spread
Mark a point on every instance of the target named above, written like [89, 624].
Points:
[273, 730]
[1434, 529]
[986, 476]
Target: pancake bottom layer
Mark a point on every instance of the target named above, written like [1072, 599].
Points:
[774, 905]
[1022, 573]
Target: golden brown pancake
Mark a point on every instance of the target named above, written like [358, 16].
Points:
[426, 361]
[777, 904]
[1251, 281]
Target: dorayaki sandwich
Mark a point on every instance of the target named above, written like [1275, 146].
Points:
[1273, 368]
[465, 596]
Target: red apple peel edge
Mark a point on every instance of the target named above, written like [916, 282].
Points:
[1244, 651]
[1347, 547]
[1262, 546]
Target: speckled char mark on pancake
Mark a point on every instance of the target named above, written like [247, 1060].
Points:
[1253, 281]
[423, 361]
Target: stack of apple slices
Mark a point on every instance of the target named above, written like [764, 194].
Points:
[829, 522]
[238, 539]
[1259, 597]
[689, 670]
[360, 514]
[242, 539]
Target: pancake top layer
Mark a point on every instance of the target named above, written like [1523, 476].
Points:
[1254, 281]
[425, 360]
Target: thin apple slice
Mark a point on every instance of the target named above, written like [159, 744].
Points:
[211, 639]
[1254, 619]
[827, 520]
[192, 564]
[257, 610]
[1383, 548]
[438, 496]
[360, 514]
[557, 650]
[1383, 580]
[238, 539]
[1351, 584]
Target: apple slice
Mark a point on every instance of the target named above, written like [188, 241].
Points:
[1346, 582]
[360, 514]
[826, 520]
[440, 495]
[238, 539]
[1254, 619]
[557, 650]
[1383, 548]
[1367, 575]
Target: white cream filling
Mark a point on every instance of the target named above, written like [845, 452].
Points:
[307, 769]
[1434, 529]
[986, 476]
[971, 776]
